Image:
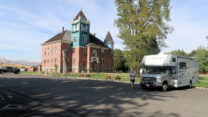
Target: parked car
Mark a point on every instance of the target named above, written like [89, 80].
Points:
[9, 69]
[2, 70]
[23, 69]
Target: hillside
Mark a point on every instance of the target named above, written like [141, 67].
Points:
[18, 62]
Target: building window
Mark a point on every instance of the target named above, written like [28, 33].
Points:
[76, 27]
[103, 63]
[48, 51]
[102, 52]
[45, 51]
[51, 62]
[47, 60]
[52, 50]
[94, 53]
[85, 51]
[55, 50]
[44, 62]
[84, 27]
[55, 61]
[75, 38]
[84, 40]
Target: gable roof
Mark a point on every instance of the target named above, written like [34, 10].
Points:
[96, 41]
[108, 38]
[81, 15]
[65, 35]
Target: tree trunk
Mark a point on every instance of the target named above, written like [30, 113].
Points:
[65, 54]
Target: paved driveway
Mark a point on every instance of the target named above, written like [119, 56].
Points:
[48, 96]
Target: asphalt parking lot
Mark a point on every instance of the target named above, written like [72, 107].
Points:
[29, 95]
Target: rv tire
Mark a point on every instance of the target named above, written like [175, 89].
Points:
[165, 86]
[190, 84]
[143, 87]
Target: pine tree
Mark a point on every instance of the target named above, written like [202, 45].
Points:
[142, 27]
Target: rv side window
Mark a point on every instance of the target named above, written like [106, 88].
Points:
[173, 59]
[182, 65]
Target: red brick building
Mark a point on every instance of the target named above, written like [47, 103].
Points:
[87, 52]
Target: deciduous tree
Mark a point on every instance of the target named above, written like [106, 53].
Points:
[142, 27]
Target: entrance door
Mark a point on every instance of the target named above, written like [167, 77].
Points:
[94, 67]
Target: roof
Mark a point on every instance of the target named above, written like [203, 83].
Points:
[81, 15]
[96, 41]
[108, 38]
[159, 60]
[65, 35]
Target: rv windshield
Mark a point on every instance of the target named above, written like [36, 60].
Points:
[157, 70]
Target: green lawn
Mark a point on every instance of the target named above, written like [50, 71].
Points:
[32, 73]
[203, 80]
[101, 76]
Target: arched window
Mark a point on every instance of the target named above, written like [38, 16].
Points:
[94, 53]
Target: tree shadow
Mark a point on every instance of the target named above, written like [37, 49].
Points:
[58, 96]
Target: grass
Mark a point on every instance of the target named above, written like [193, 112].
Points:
[101, 76]
[203, 80]
[32, 73]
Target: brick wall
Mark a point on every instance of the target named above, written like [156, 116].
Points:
[51, 55]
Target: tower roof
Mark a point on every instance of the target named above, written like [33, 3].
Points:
[81, 15]
[108, 38]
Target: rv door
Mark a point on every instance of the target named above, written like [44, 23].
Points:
[182, 74]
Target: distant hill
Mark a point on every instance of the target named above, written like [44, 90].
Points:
[21, 62]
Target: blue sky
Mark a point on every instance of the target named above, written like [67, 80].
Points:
[25, 24]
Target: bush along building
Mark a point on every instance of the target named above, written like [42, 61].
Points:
[78, 49]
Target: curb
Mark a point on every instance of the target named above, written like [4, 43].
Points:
[201, 88]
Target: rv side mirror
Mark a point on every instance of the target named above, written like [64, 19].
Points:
[141, 71]
[174, 72]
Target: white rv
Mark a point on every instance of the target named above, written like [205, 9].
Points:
[168, 70]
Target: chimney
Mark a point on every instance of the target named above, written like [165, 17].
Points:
[62, 29]
[94, 34]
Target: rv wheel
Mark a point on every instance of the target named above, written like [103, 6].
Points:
[190, 84]
[143, 87]
[165, 87]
